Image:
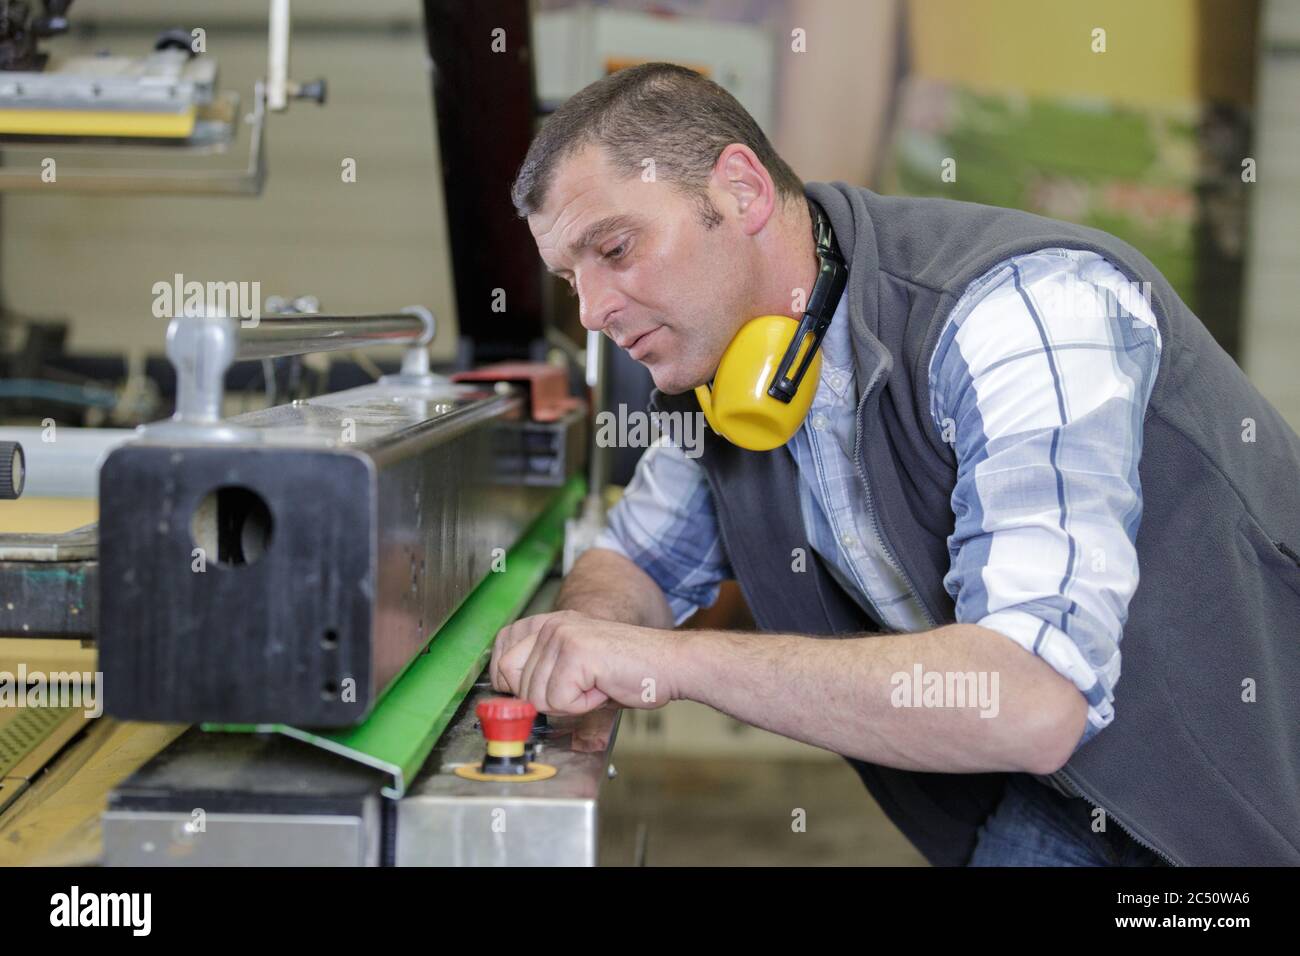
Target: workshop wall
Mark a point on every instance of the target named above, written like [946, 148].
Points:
[374, 245]
[1157, 52]
[1146, 140]
[1271, 347]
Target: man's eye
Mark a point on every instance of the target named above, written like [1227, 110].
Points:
[617, 252]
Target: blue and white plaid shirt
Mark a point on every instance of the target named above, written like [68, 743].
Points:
[1040, 382]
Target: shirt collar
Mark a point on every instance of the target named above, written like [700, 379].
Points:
[837, 351]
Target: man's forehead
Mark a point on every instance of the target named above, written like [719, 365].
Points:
[578, 178]
[582, 206]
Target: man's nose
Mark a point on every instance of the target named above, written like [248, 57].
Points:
[597, 301]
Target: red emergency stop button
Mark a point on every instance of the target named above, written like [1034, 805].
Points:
[507, 723]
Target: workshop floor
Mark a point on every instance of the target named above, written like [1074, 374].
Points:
[691, 811]
[697, 788]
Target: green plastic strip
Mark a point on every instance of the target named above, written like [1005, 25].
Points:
[411, 716]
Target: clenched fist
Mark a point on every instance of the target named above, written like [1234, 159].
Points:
[567, 663]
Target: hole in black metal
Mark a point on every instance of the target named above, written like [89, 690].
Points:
[232, 525]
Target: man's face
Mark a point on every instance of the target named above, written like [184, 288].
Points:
[646, 269]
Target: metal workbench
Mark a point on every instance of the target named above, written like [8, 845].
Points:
[268, 800]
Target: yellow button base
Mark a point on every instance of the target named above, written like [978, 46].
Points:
[536, 771]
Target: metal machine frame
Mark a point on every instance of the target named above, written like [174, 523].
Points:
[397, 522]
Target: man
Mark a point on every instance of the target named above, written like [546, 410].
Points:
[1013, 416]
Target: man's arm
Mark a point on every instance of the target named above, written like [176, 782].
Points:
[860, 696]
[606, 585]
[841, 694]
[1040, 383]
[659, 559]
[602, 585]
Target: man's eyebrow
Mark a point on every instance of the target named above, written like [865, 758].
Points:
[597, 229]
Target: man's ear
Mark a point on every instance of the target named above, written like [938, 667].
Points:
[746, 187]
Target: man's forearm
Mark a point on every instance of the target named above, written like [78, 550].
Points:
[860, 697]
[606, 585]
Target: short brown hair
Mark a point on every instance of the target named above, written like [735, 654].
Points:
[655, 110]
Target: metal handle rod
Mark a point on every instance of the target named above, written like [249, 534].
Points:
[278, 336]
[202, 348]
[277, 56]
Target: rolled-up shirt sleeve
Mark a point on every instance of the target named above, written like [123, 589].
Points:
[666, 525]
[1040, 382]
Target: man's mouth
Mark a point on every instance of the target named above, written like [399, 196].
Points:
[637, 345]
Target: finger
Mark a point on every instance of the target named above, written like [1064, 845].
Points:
[588, 700]
[542, 625]
[543, 660]
[507, 638]
[561, 686]
[526, 673]
[548, 635]
[498, 648]
[573, 688]
[546, 628]
[511, 665]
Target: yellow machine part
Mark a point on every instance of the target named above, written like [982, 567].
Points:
[97, 123]
[536, 771]
[57, 766]
[30, 515]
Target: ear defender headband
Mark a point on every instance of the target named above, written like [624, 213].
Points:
[753, 401]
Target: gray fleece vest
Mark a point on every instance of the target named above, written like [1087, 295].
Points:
[1191, 766]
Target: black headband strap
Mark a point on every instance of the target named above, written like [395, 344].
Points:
[832, 275]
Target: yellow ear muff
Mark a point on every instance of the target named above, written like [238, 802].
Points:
[738, 407]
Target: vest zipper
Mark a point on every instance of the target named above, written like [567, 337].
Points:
[1140, 841]
[885, 548]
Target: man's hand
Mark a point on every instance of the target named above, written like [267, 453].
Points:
[567, 663]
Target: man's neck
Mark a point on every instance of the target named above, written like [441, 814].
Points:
[791, 266]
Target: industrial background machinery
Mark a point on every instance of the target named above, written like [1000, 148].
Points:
[317, 585]
[290, 609]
